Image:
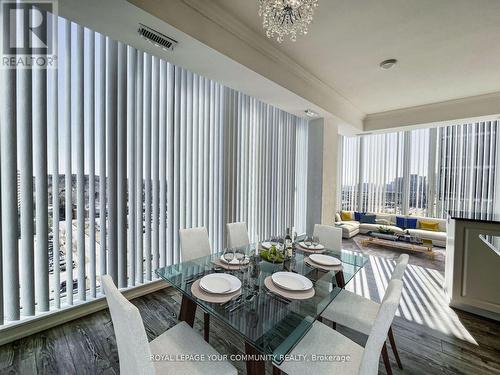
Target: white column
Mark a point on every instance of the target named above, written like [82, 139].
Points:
[431, 168]
[314, 174]
[406, 172]
[330, 174]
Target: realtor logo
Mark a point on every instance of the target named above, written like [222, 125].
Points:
[28, 28]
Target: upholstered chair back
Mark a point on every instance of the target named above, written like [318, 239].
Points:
[237, 235]
[194, 243]
[400, 268]
[330, 237]
[378, 334]
[133, 346]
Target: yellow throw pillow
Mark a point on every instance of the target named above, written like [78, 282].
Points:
[345, 216]
[429, 225]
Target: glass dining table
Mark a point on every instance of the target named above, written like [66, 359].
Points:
[270, 325]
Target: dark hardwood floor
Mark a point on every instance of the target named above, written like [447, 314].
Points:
[431, 337]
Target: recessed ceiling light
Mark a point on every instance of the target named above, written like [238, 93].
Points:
[310, 113]
[388, 64]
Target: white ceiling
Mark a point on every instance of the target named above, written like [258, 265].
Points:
[447, 49]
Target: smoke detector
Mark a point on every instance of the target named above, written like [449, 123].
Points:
[388, 64]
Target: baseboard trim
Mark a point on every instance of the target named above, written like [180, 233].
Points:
[29, 326]
[475, 310]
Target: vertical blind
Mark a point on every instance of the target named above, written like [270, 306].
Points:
[349, 173]
[467, 168]
[381, 180]
[261, 166]
[422, 172]
[115, 151]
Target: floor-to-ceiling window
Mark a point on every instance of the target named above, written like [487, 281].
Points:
[115, 150]
[425, 172]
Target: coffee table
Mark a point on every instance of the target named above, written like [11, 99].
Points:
[392, 242]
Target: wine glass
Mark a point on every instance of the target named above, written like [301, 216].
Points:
[308, 241]
[281, 243]
[240, 256]
[228, 255]
[315, 241]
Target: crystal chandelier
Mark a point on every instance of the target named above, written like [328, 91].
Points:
[286, 17]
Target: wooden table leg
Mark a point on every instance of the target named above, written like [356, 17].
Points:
[339, 277]
[206, 326]
[188, 310]
[254, 367]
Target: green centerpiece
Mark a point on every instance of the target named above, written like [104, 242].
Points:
[385, 230]
[273, 255]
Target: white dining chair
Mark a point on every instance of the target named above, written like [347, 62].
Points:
[358, 313]
[138, 357]
[237, 235]
[330, 237]
[196, 244]
[322, 340]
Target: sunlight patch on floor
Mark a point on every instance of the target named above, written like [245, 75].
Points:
[423, 301]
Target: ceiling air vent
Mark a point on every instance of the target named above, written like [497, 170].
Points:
[157, 38]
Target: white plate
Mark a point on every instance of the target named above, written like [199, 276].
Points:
[325, 260]
[220, 283]
[311, 247]
[234, 262]
[267, 245]
[291, 281]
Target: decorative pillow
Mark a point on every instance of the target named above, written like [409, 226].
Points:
[411, 223]
[358, 215]
[401, 222]
[345, 216]
[337, 217]
[429, 225]
[368, 219]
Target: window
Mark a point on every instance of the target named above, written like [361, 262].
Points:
[425, 172]
[126, 149]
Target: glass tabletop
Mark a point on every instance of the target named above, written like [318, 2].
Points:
[270, 324]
